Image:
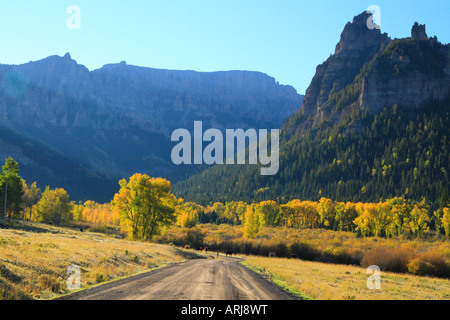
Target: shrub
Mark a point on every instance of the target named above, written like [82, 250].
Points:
[99, 278]
[304, 251]
[47, 282]
[136, 259]
[248, 247]
[418, 267]
[429, 264]
[281, 249]
[342, 255]
[387, 259]
[195, 237]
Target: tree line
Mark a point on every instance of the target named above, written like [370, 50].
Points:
[141, 208]
[144, 206]
[20, 201]
[395, 217]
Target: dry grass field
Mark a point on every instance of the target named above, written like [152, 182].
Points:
[422, 257]
[323, 281]
[34, 259]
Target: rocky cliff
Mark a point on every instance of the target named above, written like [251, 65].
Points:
[117, 120]
[409, 72]
[371, 71]
[60, 92]
[355, 48]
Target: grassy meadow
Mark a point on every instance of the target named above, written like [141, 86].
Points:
[34, 259]
[324, 281]
[430, 256]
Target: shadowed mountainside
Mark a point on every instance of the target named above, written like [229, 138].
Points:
[117, 120]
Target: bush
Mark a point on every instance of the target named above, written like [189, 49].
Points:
[265, 248]
[429, 264]
[418, 267]
[304, 251]
[248, 247]
[281, 250]
[387, 259]
[341, 255]
[402, 260]
[47, 282]
[195, 237]
[99, 278]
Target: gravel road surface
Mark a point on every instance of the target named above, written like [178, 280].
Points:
[203, 279]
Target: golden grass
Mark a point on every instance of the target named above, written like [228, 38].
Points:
[34, 261]
[338, 282]
[326, 241]
[430, 256]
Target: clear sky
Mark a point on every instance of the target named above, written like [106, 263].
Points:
[286, 39]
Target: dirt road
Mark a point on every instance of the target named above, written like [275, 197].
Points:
[204, 279]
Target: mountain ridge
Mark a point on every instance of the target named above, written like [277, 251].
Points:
[347, 78]
[117, 120]
[335, 144]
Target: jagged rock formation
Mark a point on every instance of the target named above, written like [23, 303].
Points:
[370, 70]
[419, 31]
[413, 71]
[356, 48]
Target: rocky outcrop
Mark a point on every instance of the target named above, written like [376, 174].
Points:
[357, 39]
[370, 71]
[411, 90]
[408, 73]
[419, 31]
[357, 46]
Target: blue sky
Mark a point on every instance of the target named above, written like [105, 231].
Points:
[286, 39]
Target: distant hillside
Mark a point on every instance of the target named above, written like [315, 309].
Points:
[374, 124]
[117, 120]
[51, 168]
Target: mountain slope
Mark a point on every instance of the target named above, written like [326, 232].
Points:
[117, 120]
[51, 168]
[373, 124]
